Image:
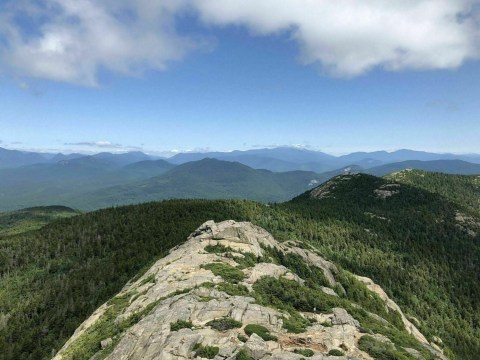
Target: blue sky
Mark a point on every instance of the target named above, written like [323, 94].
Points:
[226, 78]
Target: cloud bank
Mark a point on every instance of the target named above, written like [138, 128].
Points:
[73, 40]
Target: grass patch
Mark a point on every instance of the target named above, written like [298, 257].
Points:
[260, 330]
[227, 272]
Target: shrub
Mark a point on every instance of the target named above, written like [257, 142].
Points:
[242, 338]
[233, 289]
[180, 324]
[295, 323]
[248, 260]
[243, 355]
[336, 352]
[260, 330]
[217, 249]
[380, 350]
[304, 352]
[208, 352]
[227, 272]
[224, 324]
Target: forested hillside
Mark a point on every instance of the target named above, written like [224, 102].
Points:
[406, 239]
[464, 190]
[20, 221]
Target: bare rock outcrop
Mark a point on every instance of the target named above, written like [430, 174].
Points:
[172, 311]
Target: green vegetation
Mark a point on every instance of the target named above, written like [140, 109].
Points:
[217, 249]
[247, 260]
[312, 274]
[243, 355]
[149, 279]
[260, 330]
[180, 324]
[336, 352]
[382, 350]
[53, 278]
[224, 324]
[233, 289]
[21, 221]
[88, 344]
[305, 352]
[242, 338]
[295, 323]
[464, 190]
[208, 352]
[227, 272]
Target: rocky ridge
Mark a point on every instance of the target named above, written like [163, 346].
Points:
[212, 298]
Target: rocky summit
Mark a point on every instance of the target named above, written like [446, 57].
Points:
[231, 291]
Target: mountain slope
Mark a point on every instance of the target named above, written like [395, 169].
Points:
[464, 190]
[59, 183]
[233, 289]
[15, 158]
[389, 226]
[409, 243]
[29, 219]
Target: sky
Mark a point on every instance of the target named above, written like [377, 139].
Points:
[200, 75]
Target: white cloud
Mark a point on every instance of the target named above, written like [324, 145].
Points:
[350, 37]
[72, 40]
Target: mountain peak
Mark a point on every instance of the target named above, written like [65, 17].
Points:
[232, 292]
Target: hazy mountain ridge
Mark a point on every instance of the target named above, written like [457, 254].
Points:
[211, 179]
[91, 182]
[278, 159]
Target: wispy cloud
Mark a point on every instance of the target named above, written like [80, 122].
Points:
[71, 40]
[103, 144]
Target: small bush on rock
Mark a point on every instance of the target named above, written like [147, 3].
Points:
[180, 324]
[260, 330]
[304, 352]
[224, 324]
[208, 352]
[335, 352]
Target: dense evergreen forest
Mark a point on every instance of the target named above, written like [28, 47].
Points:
[409, 243]
[464, 190]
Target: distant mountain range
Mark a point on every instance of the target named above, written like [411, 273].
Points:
[275, 159]
[288, 159]
[267, 175]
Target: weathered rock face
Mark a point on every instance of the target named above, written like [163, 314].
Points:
[167, 313]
